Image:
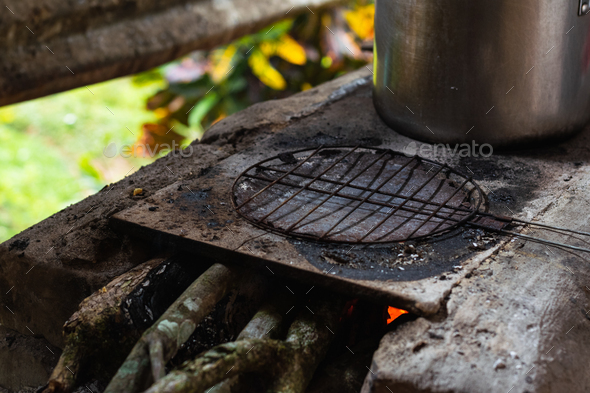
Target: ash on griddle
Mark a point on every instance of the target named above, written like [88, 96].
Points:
[287, 158]
[327, 153]
[395, 257]
[337, 257]
[479, 239]
[412, 254]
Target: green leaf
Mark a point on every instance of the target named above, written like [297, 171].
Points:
[87, 168]
[273, 31]
[198, 113]
[280, 28]
[154, 75]
[235, 85]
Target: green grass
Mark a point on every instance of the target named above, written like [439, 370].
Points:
[51, 148]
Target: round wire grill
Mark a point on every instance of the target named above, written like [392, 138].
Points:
[355, 195]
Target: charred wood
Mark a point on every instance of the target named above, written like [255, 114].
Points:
[288, 363]
[147, 360]
[109, 322]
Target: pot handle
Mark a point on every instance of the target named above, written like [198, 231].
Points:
[584, 7]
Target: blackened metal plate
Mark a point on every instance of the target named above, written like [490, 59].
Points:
[198, 216]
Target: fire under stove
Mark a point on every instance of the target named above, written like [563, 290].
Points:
[366, 220]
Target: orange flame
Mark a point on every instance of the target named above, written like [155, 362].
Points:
[348, 308]
[394, 313]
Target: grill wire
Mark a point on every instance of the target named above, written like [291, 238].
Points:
[355, 195]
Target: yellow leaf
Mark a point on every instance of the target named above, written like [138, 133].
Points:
[361, 21]
[161, 112]
[290, 50]
[222, 63]
[264, 71]
[268, 48]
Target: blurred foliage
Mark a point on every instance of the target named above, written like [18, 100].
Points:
[51, 148]
[288, 57]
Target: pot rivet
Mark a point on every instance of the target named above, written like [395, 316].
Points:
[585, 8]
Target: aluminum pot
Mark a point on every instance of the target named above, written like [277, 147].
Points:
[507, 72]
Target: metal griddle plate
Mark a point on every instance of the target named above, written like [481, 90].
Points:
[198, 215]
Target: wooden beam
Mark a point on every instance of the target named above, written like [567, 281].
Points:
[50, 46]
